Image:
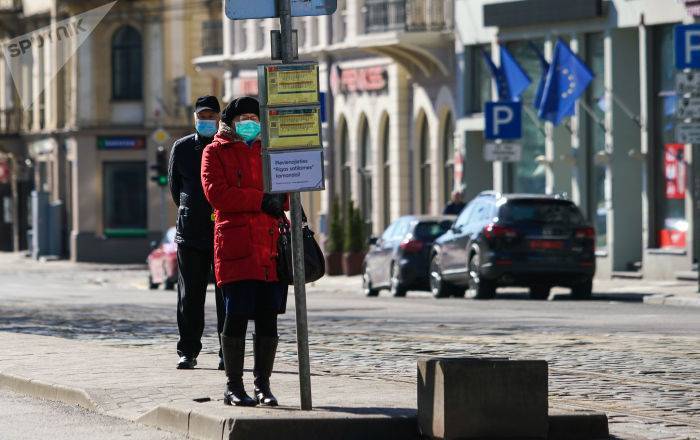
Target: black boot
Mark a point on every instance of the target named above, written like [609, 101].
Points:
[234, 352]
[265, 349]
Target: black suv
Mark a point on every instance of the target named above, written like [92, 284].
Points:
[526, 240]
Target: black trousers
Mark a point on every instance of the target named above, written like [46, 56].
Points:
[194, 267]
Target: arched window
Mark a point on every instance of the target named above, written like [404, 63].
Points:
[386, 174]
[424, 157]
[127, 64]
[345, 165]
[448, 155]
[366, 170]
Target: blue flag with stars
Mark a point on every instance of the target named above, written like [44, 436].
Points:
[511, 79]
[567, 79]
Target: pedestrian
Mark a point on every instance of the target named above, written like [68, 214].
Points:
[245, 248]
[456, 204]
[195, 233]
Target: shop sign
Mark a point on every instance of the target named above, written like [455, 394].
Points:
[688, 133]
[502, 151]
[121, 142]
[693, 7]
[675, 171]
[296, 170]
[365, 79]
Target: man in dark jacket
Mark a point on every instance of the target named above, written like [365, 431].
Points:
[456, 204]
[195, 233]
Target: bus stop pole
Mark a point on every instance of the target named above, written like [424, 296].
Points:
[287, 52]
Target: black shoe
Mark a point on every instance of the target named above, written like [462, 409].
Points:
[222, 367]
[234, 352]
[265, 349]
[186, 363]
[235, 395]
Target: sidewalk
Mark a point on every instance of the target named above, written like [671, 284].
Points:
[141, 384]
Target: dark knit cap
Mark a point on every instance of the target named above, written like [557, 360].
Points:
[239, 106]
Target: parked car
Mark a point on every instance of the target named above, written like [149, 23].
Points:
[162, 262]
[526, 240]
[398, 260]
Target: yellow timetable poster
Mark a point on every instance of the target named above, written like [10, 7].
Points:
[293, 128]
[292, 84]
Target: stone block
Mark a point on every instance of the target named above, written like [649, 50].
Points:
[482, 398]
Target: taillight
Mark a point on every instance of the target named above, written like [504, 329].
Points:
[411, 245]
[587, 233]
[497, 231]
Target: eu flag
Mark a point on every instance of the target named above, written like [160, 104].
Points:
[566, 81]
[511, 79]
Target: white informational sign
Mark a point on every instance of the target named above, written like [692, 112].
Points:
[688, 108]
[245, 9]
[687, 82]
[688, 133]
[291, 171]
[502, 151]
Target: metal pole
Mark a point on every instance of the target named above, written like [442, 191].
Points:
[162, 210]
[287, 49]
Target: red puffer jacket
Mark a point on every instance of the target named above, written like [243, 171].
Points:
[245, 238]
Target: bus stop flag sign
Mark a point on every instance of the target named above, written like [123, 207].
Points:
[245, 9]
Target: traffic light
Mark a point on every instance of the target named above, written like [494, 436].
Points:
[160, 169]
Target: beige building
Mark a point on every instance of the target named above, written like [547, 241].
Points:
[87, 140]
[387, 73]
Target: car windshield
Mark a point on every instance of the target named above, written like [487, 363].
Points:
[541, 211]
[431, 230]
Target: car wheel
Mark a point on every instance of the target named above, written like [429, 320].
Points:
[539, 291]
[397, 289]
[151, 284]
[583, 290]
[479, 288]
[367, 284]
[438, 287]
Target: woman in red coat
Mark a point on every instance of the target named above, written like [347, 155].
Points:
[245, 248]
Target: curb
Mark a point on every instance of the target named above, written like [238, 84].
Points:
[49, 391]
[672, 300]
[340, 426]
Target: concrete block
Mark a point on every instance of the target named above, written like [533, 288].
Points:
[578, 426]
[472, 398]
[167, 417]
[206, 426]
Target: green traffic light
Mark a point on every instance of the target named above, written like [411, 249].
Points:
[163, 180]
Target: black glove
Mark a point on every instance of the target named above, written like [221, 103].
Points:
[273, 204]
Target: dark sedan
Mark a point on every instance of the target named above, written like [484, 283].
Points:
[398, 260]
[525, 240]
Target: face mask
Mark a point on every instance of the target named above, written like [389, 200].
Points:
[248, 130]
[206, 127]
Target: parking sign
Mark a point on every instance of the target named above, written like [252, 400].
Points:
[503, 120]
[687, 44]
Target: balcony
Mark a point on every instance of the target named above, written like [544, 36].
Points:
[406, 15]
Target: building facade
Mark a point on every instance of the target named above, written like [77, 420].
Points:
[387, 74]
[86, 142]
[618, 158]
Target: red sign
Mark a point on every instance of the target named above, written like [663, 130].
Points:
[671, 238]
[675, 170]
[4, 172]
[365, 79]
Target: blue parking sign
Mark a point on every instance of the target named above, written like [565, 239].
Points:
[503, 120]
[687, 44]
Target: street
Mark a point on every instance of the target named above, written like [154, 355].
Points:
[637, 362]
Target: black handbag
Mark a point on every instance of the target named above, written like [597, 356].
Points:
[314, 262]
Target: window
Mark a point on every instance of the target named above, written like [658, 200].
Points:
[541, 211]
[125, 204]
[478, 80]
[527, 176]
[671, 224]
[424, 157]
[366, 169]
[465, 216]
[127, 64]
[595, 97]
[448, 157]
[212, 37]
[386, 175]
[345, 165]
[431, 230]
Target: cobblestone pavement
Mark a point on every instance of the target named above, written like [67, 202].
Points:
[638, 363]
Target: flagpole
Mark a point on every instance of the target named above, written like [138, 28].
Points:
[592, 114]
[534, 119]
[630, 114]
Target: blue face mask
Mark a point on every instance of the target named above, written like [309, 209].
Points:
[248, 130]
[206, 127]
